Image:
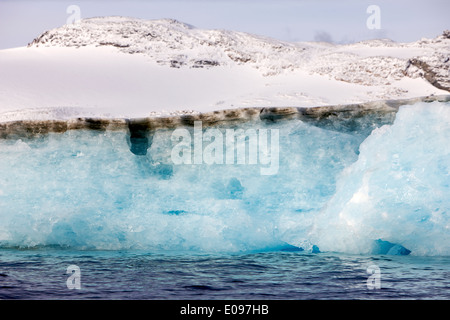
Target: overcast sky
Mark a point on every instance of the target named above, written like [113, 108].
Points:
[291, 20]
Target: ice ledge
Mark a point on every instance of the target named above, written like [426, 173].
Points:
[326, 116]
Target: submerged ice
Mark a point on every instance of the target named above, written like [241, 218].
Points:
[385, 191]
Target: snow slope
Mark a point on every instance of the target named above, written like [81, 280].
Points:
[125, 67]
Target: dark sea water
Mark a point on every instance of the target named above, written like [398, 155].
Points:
[42, 274]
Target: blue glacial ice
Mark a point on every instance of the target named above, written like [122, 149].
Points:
[398, 190]
[386, 191]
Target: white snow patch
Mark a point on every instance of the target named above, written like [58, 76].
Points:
[67, 73]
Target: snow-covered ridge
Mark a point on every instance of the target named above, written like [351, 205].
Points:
[116, 67]
[176, 44]
[173, 43]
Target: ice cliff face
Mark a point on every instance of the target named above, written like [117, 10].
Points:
[179, 45]
[368, 179]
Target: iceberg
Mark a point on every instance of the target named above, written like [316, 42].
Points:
[373, 182]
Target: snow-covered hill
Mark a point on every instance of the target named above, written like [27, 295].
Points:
[131, 67]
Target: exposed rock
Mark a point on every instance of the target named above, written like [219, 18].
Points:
[435, 68]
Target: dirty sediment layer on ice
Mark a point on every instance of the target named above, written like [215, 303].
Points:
[338, 113]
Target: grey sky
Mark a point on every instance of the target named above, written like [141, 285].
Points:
[292, 20]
